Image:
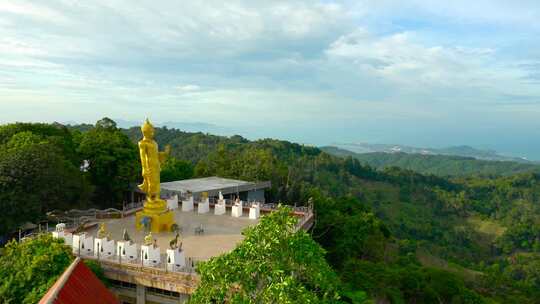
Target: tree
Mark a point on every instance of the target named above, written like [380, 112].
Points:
[273, 264]
[57, 134]
[112, 163]
[28, 269]
[106, 123]
[347, 229]
[176, 169]
[35, 177]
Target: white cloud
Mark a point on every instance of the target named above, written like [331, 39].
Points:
[26, 9]
[298, 21]
[171, 29]
[282, 63]
[188, 88]
[412, 66]
[396, 57]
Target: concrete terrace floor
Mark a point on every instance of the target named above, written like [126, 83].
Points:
[221, 232]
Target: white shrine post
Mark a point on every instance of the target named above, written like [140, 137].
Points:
[220, 207]
[204, 206]
[127, 250]
[104, 248]
[83, 244]
[176, 259]
[150, 255]
[172, 203]
[187, 205]
[60, 233]
[254, 211]
[237, 209]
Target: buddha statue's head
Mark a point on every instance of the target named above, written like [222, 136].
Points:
[147, 129]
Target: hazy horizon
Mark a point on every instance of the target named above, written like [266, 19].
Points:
[231, 131]
[421, 73]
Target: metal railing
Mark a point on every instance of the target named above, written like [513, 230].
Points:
[74, 217]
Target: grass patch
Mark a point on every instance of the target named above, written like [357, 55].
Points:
[428, 260]
[488, 227]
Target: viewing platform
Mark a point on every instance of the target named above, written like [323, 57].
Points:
[203, 236]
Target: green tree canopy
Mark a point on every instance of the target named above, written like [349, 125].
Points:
[348, 230]
[35, 177]
[112, 163]
[273, 264]
[106, 123]
[57, 134]
[28, 269]
[176, 169]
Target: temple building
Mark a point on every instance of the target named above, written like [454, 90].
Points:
[229, 188]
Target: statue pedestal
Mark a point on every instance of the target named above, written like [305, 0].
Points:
[219, 208]
[187, 205]
[172, 203]
[254, 211]
[203, 207]
[237, 209]
[156, 215]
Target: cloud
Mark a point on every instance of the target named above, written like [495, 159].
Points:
[173, 29]
[398, 58]
[411, 66]
[188, 88]
[301, 67]
[26, 9]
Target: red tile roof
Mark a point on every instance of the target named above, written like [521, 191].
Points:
[78, 284]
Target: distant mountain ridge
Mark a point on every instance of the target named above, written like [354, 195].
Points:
[464, 150]
[184, 126]
[437, 164]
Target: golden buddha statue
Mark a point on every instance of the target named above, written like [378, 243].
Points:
[102, 232]
[149, 239]
[155, 216]
[151, 160]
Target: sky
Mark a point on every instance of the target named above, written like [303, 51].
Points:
[421, 73]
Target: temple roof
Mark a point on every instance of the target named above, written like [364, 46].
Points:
[213, 185]
[78, 284]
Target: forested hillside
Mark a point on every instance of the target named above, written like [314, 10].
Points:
[441, 165]
[385, 230]
[44, 167]
[400, 236]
